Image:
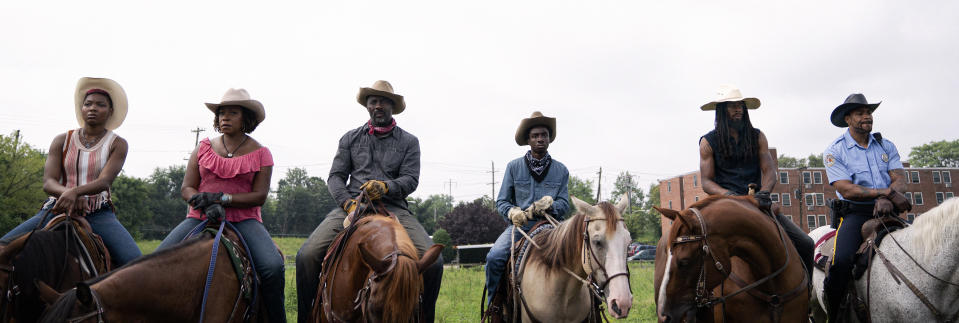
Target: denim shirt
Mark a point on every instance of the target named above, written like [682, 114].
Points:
[519, 188]
[868, 167]
[393, 158]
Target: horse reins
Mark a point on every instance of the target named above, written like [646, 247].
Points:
[704, 298]
[363, 296]
[98, 311]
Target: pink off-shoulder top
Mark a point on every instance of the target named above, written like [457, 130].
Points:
[230, 175]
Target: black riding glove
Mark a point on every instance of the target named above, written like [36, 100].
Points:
[765, 202]
[201, 200]
[214, 212]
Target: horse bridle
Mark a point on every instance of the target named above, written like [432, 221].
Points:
[363, 296]
[598, 289]
[98, 311]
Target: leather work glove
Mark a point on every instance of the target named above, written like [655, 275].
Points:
[883, 207]
[899, 201]
[201, 200]
[350, 205]
[765, 202]
[540, 206]
[214, 212]
[518, 216]
[375, 189]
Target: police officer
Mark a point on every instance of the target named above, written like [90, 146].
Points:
[868, 176]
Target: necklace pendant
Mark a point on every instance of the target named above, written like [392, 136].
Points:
[229, 155]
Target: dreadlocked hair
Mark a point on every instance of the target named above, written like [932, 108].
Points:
[749, 136]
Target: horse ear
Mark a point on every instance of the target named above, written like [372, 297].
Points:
[623, 203]
[47, 293]
[84, 295]
[429, 257]
[11, 250]
[378, 265]
[580, 205]
[669, 213]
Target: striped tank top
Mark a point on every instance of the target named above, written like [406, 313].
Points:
[82, 165]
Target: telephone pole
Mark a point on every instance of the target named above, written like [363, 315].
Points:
[492, 183]
[599, 185]
[450, 183]
[198, 130]
[629, 191]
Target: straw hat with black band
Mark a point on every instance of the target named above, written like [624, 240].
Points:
[113, 90]
[240, 98]
[384, 89]
[537, 119]
[853, 101]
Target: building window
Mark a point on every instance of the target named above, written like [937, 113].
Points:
[774, 197]
[697, 199]
[806, 178]
[817, 178]
[936, 178]
[670, 204]
[822, 220]
[910, 217]
[783, 178]
[695, 180]
[915, 177]
[820, 199]
[811, 221]
[810, 199]
[940, 197]
[917, 196]
[790, 217]
[786, 200]
[669, 186]
[949, 195]
[946, 178]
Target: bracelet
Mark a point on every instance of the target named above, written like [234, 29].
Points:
[226, 199]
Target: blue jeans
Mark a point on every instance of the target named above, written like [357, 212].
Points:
[497, 258]
[267, 261]
[104, 222]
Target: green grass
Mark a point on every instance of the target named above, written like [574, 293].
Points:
[460, 294]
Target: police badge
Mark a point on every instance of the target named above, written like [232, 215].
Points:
[885, 158]
[830, 160]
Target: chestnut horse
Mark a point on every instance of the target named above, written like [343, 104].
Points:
[63, 253]
[166, 286]
[377, 276]
[580, 261]
[725, 260]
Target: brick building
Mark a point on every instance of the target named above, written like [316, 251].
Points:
[802, 192]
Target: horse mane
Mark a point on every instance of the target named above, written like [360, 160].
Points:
[62, 309]
[403, 290]
[562, 245]
[41, 259]
[935, 226]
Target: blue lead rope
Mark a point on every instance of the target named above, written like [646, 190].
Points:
[209, 273]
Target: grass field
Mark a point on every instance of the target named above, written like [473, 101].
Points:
[462, 288]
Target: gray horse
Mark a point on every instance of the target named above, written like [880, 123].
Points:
[932, 241]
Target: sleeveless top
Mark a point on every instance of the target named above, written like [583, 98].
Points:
[230, 175]
[82, 165]
[732, 173]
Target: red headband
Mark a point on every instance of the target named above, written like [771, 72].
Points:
[91, 91]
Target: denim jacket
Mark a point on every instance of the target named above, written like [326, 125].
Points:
[519, 188]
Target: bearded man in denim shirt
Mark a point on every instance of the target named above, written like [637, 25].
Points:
[534, 185]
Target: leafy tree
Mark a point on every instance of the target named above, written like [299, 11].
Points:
[131, 197]
[428, 211]
[815, 160]
[302, 202]
[442, 237]
[935, 154]
[582, 189]
[165, 202]
[472, 223]
[791, 162]
[21, 181]
[625, 185]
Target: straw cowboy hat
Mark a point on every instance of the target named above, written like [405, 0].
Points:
[384, 89]
[535, 120]
[730, 93]
[118, 98]
[241, 98]
[853, 101]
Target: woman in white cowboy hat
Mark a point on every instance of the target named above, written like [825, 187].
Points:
[82, 164]
[229, 178]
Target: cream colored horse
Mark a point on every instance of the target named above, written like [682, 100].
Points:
[553, 281]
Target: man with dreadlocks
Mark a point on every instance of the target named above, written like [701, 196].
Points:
[735, 154]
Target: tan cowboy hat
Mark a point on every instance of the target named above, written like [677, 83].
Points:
[117, 96]
[241, 98]
[384, 89]
[730, 93]
[535, 120]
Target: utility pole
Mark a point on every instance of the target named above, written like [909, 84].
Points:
[198, 130]
[450, 182]
[492, 183]
[16, 140]
[599, 185]
[629, 191]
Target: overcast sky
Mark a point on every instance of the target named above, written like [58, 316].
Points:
[624, 79]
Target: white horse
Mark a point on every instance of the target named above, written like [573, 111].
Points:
[552, 292]
[933, 241]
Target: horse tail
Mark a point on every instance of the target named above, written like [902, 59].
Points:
[403, 291]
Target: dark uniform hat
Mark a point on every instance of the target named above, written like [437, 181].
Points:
[853, 101]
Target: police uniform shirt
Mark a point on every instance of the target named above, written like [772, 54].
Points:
[868, 167]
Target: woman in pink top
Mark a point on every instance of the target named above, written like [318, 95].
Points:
[82, 164]
[228, 177]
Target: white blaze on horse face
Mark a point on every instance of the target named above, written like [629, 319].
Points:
[662, 286]
[616, 263]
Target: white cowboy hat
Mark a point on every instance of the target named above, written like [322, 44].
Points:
[241, 98]
[535, 120]
[117, 97]
[730, 93]
[384, 89]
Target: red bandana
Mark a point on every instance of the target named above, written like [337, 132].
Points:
[374, 130]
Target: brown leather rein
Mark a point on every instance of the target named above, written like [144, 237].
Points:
[704, 297]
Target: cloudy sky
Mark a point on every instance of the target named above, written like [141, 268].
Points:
[624, 79]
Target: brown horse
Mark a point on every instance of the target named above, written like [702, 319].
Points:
[377, 277]
[725, 260]
[166, 286]
[61, 254]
